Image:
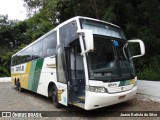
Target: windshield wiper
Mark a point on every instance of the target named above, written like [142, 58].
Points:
[125, 46]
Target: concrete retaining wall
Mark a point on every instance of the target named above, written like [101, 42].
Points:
[5, 79]
[149, 90]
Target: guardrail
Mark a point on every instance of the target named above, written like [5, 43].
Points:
[149, 90]
[5, 79]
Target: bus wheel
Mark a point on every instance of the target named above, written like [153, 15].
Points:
[55, 97]
[18, 86]
[20, 89]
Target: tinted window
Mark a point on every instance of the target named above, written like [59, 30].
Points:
[61, 66]
[14, 60]
[18, 58]
[22, 57]
[49, 44]
[68, 33]
[100, 28]
[37, 50]
[28, 54]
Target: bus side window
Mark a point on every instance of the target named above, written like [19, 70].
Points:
[22, 56]
[28, 54]
[49, 44]
[68, 33]
[50, 51]
[18, 61]
[14, 60]
[37, 50]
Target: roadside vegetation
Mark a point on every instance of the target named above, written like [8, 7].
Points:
[138, 18]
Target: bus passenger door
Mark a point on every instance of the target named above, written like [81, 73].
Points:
[62, 76]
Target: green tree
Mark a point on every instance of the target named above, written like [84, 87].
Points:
[37, 26]
[12, 35]
[138, 19]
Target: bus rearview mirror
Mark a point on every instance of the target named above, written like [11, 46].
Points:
[88, 38]
[142, 47]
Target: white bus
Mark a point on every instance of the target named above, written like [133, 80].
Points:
[83, 61]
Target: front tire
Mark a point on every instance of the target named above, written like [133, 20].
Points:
[55, 97]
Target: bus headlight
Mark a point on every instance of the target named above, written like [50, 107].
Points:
[96, 89]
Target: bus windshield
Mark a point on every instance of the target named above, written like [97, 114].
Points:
[104, 29]
[110, 59]
[108, 62]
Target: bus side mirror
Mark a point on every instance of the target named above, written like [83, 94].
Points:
[142, 47]
[88, 38]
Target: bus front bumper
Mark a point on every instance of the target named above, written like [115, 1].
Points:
[97, 100]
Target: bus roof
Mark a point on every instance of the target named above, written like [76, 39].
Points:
[62, 24]
[81, 17]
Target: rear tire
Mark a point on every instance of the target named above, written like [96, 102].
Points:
[55, 97]
[20, 89]
[18, 86]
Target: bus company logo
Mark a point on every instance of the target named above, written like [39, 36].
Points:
[112, 84]
[20, 68]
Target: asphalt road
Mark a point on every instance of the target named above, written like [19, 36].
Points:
[13, 100]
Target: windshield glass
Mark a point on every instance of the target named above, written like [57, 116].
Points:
[107, 62]
[100, 28]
